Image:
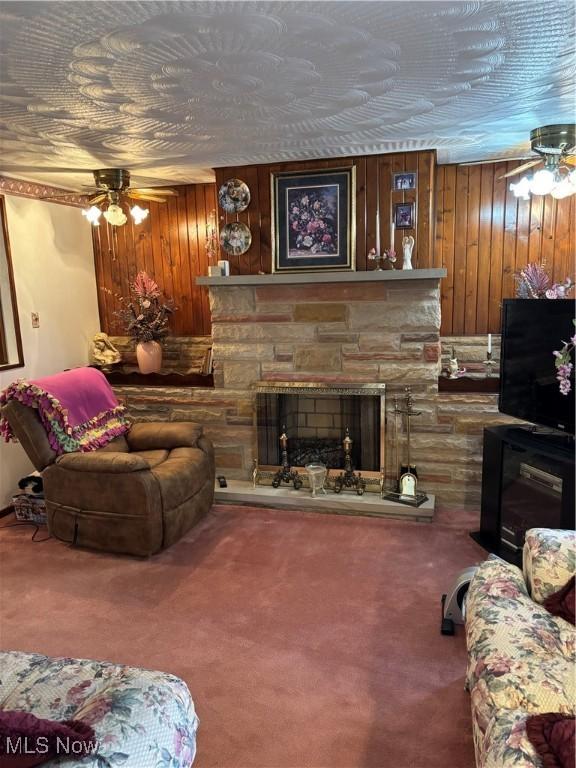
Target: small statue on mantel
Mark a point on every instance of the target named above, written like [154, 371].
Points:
[103, 353]
[454, 370]
[407, 248]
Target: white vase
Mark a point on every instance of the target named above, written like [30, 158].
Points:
[149, 356]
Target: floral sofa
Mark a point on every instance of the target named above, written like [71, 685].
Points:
[520, 657]
[141, 719]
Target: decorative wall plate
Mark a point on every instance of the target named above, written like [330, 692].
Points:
[235, 238]
[234, 196]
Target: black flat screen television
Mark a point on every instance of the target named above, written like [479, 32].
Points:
[531, 330]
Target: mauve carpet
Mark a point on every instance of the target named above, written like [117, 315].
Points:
[307, 640]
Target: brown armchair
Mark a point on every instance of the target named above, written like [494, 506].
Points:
[137, 495]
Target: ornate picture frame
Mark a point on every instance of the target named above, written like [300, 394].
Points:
[11, 350]
[313, 220]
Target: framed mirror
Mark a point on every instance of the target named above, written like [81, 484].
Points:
[11, 355]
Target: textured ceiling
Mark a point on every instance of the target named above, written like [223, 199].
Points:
[172, 89]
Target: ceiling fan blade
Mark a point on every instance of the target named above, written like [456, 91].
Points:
[151, 198]
[99, 198]
[494, 160]
[569, 159]
[521, 168]
[164, 191]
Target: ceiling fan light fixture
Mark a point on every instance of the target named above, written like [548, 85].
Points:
[564, 188]
[92, 214]
[138, 213]
[115, 216]
[521, 188]
[543, 182]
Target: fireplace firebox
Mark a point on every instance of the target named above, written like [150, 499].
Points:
[315, 418]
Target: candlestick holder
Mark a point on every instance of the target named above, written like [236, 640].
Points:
[384, 260]
[489, 364]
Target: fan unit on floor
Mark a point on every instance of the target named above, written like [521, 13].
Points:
[453, 603]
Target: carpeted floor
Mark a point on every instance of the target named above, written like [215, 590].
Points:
[307, 640]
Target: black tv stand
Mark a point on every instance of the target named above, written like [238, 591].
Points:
[549, 437]
[527, 482]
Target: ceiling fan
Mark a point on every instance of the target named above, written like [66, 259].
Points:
[555, 145]
[110, 190]
[112, 186]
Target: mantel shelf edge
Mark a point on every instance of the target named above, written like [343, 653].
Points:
[295, 278]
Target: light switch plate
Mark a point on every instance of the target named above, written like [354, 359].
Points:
[35, 320]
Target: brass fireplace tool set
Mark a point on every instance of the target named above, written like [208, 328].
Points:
[406, 482]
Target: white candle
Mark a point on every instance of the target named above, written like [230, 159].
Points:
[377, 220]
[489, 343]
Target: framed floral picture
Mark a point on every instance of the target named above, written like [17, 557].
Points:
[313, 216]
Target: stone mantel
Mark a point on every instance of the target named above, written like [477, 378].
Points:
[294, 278]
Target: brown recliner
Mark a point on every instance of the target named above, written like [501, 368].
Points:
[137, 495]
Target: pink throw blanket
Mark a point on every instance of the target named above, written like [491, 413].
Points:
[77, 408]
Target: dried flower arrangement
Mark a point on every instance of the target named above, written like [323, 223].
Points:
[211, 244]
[144, 314]
[534, 282]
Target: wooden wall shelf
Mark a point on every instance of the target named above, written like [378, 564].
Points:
[489, 385]
[137, 379]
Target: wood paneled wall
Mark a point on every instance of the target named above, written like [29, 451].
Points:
[466, 220]
[484, 235]
[373, 184]
[171, 246]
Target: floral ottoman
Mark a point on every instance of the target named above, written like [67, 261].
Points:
[141, 719]
[520, 657]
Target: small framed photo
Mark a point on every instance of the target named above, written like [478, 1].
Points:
[404, 215]
[404, 180]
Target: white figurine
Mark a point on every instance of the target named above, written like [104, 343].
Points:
[407, 247]
[454, 371]
[453, 368]
[102, 352]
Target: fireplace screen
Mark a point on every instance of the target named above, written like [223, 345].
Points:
[316, 424]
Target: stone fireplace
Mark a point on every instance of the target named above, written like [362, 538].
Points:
[347, 328]
[343, 330]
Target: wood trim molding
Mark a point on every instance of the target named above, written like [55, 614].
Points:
[37, 191]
